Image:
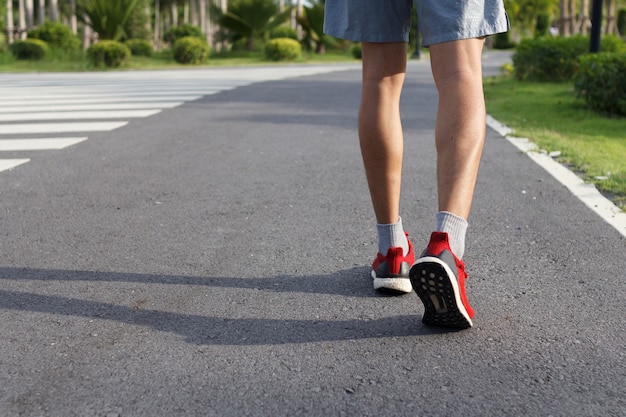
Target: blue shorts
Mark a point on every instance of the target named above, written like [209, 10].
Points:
[390, 20]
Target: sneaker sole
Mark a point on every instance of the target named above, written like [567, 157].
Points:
[434, 283]
[397, 285]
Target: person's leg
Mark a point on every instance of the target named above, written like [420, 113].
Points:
[380, 129]
[460, 128]
[382, 145]
[438, 277]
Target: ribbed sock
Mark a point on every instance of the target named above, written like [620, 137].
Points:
[390, 235]
[456, 228]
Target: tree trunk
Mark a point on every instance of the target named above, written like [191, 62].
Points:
[583, 21]
[186, 12]
[41, 12]
[193, 7]
[174, 11]
[21, 28]
[53, 10]
[563, 18]
[610, 26]
[572, 17]
[156, 40]
[73, 20]
[9, 21]
[86, 33]
[202, 10]
[29, 7]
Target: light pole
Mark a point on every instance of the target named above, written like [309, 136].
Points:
[596, 26]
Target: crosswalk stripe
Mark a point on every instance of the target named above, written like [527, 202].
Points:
[91, 99]
[13, 145]
[77, 115]
[17, 129]
[11, 163]
[84, 107]
[19, 94]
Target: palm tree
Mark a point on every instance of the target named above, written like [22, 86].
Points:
[249, 19]
[312, 22]
[107, 17]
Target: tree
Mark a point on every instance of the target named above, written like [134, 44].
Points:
[312, 22]
[250, 19]
[107, 17]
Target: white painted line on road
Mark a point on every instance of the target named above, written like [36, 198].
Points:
[96, 96]
[585, 192]
[96, 100]
[10, 145]
[85, 107]
[77, 115]
[16, 129]
[11, 163]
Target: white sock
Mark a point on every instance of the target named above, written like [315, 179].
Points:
[390, 235]
[456, 228]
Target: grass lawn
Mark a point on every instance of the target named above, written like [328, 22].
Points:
[59, 61]
[551, 116]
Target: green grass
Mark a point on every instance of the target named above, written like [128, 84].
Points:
[59, 61]
[551, 116]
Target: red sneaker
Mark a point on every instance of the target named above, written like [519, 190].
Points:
[391, 272]
[438, 278]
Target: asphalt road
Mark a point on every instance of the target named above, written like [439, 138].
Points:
[212, 259]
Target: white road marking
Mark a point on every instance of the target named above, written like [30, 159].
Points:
[30, 128]
[585, 192]
[96, 106]
[11, 163]
[78, 115]
[13, 145]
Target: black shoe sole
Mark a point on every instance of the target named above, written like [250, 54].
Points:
[443, 306]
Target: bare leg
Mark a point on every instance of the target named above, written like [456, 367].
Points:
[460, 128]
[380, 129]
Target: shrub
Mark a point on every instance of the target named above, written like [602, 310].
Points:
[182, 31]
[503, 41]
[3, 42]
[191, 50]
[621, 22]
[139, 47]
[29, 49]
[108, 53]
[284, 32]
[56, 35]
[281, 49]
[542, 27]
[555, 59]
[357, 51]
[601, 83]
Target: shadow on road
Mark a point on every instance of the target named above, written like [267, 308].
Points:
[207, 330]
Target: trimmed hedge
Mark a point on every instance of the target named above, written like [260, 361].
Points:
[283, 49]
[284, 32]
[555, 59]
[139, 47]
[182, 31]
[3, 42]
[56, 35]
[548, 58]
[191, 50]
[108, 53]
[600, 81]
[33, 49]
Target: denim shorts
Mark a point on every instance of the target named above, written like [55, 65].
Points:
[390, 20]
